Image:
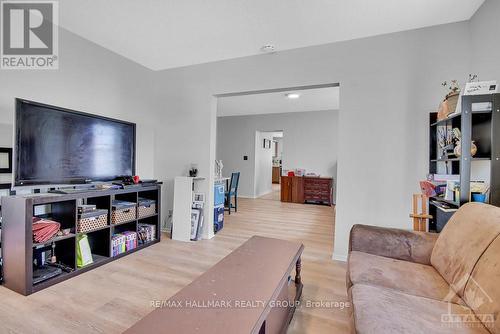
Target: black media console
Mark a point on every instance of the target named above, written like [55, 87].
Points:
[17, 235]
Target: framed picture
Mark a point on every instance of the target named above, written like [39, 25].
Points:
[195, 221]
[5, 160]
[267, 143]
[199, 198]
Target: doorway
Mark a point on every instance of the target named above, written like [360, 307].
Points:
[268, 164]
[299, 126]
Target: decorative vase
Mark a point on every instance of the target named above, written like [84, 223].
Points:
[473, 149]
[452, 100]
[443, 111]
[448, 106]
[458, 149]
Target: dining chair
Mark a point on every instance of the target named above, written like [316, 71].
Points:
[232, 192]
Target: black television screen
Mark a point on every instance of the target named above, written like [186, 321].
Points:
[60, 146]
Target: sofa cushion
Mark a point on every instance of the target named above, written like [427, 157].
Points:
[482, 292]
[462, 242]
[408, 277]
[385, 311]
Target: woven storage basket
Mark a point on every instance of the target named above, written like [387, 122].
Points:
[145, 211]
[123, 215]
[91, 223]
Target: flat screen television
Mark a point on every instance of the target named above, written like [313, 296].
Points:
[59, 146]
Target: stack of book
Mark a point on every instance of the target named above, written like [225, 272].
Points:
[130, 240]
[118, 244]
[146, 233]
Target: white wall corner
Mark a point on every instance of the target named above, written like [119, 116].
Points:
[339, 257]
[208, 232]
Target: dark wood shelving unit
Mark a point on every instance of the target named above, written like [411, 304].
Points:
[55, 239]
[124, 223]
[482, 127]
[17, 235]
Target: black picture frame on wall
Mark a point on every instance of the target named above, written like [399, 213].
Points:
[267, 143]
[6, 151]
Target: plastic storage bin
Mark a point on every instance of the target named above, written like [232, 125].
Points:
[218, 218]
[219, 196]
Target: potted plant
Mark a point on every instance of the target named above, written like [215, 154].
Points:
[450, 102]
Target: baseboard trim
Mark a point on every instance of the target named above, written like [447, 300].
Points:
[264, 193]
[340, 257]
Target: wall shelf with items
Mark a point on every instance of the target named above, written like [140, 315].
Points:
[474, 159]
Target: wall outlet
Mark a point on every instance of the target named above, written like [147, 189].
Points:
[245, 157]
[170, 213]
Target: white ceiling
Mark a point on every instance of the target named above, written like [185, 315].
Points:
[274, 103]
[162, 34]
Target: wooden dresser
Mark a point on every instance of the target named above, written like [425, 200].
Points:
[292, 189]
[308, 189]
[318, 189]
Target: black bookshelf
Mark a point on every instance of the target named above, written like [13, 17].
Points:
[17, 236]
[482, 127]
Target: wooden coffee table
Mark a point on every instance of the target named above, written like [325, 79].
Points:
[248, 291]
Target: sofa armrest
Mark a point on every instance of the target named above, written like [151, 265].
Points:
[394, 243]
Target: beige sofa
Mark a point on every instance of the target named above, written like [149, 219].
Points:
[414, 282]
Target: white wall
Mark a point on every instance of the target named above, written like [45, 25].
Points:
[309, 141]
[485, 49]
[388, 84]
[263, 164]
[90, 79]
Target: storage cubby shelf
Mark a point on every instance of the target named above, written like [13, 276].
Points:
[148, 216]
[95, 230]
[125, 223]
[139, 247]
[55, 239]
[444, 121]
[441, 199]
[98, 259]
[480, 127]
[445, 160]
[18, 212]
[45, 284]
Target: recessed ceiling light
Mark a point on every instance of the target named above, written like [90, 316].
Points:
[292, 95]
[268, 48]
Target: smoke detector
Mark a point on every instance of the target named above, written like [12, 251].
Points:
[268, 48]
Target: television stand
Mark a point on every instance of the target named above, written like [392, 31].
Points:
[66, 191]
[19, 249]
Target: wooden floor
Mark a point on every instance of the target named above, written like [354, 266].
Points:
[275, 194]
[111, 298]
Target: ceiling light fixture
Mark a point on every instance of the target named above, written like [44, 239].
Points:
[292, 95]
